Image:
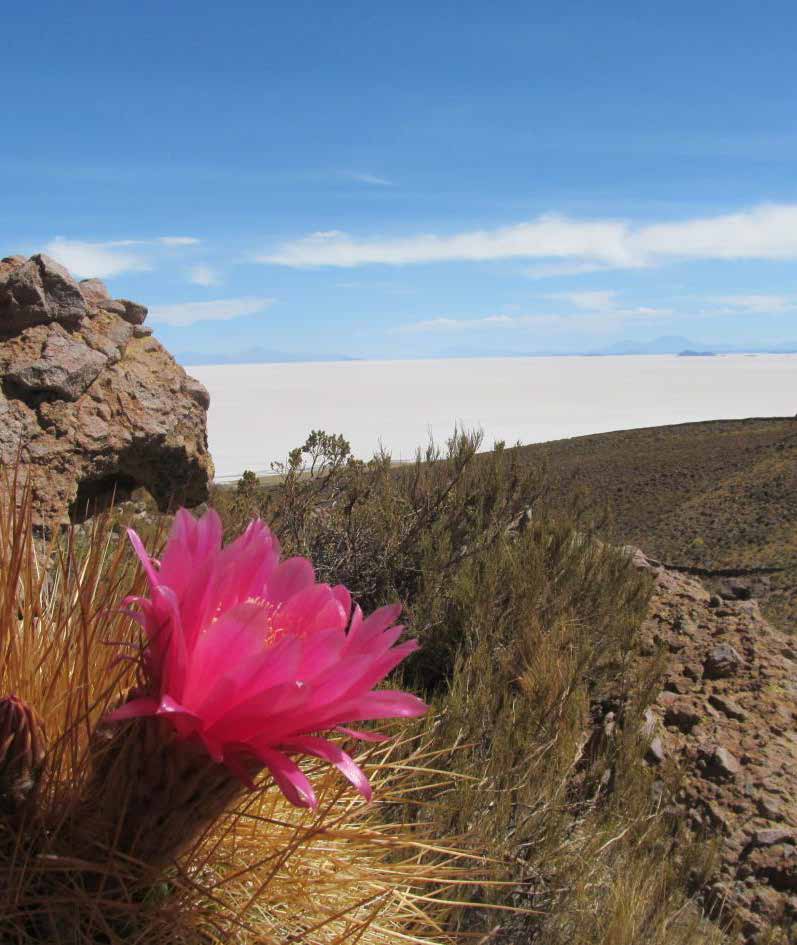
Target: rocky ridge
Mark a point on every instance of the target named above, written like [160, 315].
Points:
[725, 722]
[91, 405]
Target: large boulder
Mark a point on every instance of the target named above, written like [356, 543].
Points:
[66, 368]
[90, 404]
[94, 290]
[37, 292]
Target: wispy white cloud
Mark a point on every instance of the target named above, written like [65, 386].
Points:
[489, 322]
[600, 301]
[455, 324]
[110, 258]
[179, 240]
[763, 232]
[555, 270]
[372, 179]
[203, 275]
[593, 310]
[608, 302]
[549, 236]
[100, 260]
[188, 313]
[757, 304]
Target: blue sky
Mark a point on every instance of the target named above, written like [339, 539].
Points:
[401, 179]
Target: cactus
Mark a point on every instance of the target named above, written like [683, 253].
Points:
[132, 831]
[21, 754]
[149, 795]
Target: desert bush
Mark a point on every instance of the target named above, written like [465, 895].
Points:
[390, 531]
[564, 809]
[529, 627]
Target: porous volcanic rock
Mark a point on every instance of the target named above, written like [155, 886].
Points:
[90, 403]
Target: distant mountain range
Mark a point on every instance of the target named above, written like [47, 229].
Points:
[254, 356]
[676, 344]
[666, 344]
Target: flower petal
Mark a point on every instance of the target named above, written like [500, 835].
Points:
[253, 687]
[311, 609]
[290, 779]
[379, 620]
[290, 577]
[192, 544]
[234, 639]
[343, 597]
[134, 709]
[168, 707]
[169, 640]
[385, 704]
[143, 557]
[334, 754]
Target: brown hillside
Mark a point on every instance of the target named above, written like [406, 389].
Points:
[719, 496]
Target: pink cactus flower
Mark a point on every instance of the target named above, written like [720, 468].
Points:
[256, 660]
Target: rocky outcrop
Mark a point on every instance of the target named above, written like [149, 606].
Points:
[90, 404]
[725, 724]
[38, 291]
